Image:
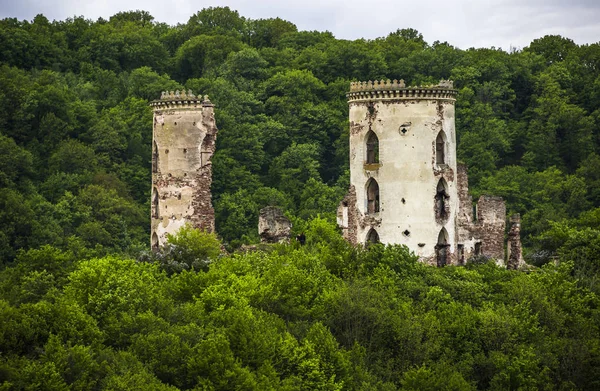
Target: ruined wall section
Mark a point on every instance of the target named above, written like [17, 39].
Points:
[184, 135]
[465, 229]
[273, 225]
[465, 215]
[515, 253]
[482, 234]
[490, 226]
[348, 216]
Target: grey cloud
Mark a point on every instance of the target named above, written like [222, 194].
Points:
[462, 23]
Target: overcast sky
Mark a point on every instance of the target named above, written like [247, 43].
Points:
[462, 23]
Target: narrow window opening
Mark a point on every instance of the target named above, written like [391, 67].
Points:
[372, 196]
[372, 237]
[371, 108]
[154, 203]
[372, 148]
[154, 242]
[440, 149]
[441, 248]
[478, 248]
[155, 158]
[442, 206]
[461, 254]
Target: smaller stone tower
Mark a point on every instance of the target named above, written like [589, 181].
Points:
[184, 135]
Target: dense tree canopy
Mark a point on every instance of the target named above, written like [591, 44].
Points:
[324, 316]
[74, 113]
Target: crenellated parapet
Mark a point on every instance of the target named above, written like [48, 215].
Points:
[397, 89]
[180, 99]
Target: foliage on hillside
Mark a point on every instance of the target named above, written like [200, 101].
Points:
[75, 125]
[325, 316]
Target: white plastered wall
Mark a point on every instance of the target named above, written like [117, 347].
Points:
[407, 170]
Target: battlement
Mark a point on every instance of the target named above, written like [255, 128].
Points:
[175, 99]
[397, 89]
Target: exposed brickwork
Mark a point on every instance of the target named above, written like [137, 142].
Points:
[490, 225]
[204, 213]
[273, 226]
[485, 234]
[464, 218]
[515, 253]
[465, 201]
[184, 138]
[348, 216]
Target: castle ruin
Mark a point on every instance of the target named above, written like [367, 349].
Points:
[184, 135]
[406, 186]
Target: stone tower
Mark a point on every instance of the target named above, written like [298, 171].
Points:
[184, 135]
[402, 168]
[406, 186]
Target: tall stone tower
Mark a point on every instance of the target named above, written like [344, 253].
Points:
[184, 135]
[403, 169]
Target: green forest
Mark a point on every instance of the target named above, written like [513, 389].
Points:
[84, 304]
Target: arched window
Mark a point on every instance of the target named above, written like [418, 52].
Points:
[155, 158]
[154, 203]
[154, 241]
[372, 148]
[442, 206]
[441, 248]
[372, 237]
[440, 148]
[372, 196]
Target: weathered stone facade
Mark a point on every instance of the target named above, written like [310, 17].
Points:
[184, 135]
[484, 234]
[348, 216]
[515, 255]
[406, 185]
[273, 226]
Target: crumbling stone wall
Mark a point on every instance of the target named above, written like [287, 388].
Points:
[465, 201]
[482, 234]
[515, 253]
[490, 226]
[348, 216]
[184, 135]
[464, 219]
[273, 226]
